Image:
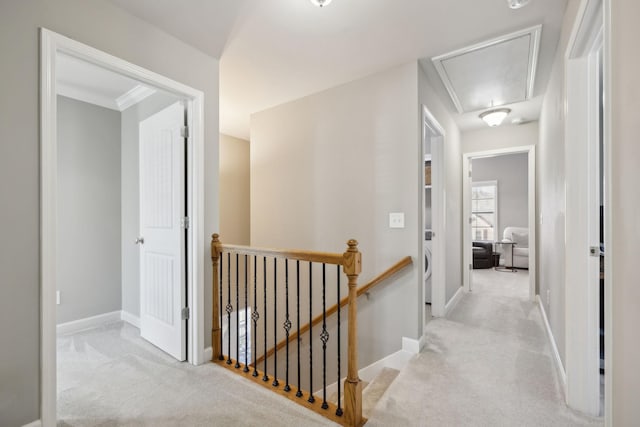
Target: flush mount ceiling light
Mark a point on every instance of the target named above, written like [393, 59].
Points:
[321, 3]
[495, 117]
[517, 4]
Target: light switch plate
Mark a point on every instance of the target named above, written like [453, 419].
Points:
[57, 297]
[396, 220]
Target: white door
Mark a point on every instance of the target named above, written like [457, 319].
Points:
[162, 211]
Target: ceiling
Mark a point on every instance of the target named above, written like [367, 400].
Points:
[90, 83]
[279, 50]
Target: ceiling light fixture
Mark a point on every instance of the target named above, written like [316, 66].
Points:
[517, 4]
[321, 3]
[495, 117]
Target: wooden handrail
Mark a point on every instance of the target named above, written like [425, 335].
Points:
[297, 254]
[404, 262]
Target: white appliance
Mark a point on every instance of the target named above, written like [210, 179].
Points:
[427, 267]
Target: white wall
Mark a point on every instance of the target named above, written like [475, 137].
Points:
[130, 212]
[235, 187]
[88, 267]
[332, 166]
[104, 26]
[625, 205]
[550, 176]
[452, 182]
[505, 136]
[511, 172]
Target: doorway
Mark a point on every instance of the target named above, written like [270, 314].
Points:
[54, 50]
[507, 240]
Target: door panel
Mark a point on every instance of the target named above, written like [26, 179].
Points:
[162, 209]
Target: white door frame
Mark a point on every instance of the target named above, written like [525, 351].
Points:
[466, 209]
[582, 295]
[438, 276]
[51, 44]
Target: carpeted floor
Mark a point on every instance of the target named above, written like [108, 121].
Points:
[111, 377]
[487, 364]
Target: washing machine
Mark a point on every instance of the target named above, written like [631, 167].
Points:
[427, 266]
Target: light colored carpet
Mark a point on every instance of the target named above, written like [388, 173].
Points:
[111, 377]
[487, 364]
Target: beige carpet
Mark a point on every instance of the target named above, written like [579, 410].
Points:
[487, 364]
[111, 377]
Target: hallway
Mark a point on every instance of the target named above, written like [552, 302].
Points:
[486, 364]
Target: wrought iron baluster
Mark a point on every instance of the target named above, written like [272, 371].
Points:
[265, 377]
[221, 356]
[275, 322]
[311, 398]
[324, 337]
[287, 322]
[237, 365]
[299, 392]
[255, 315]
[246, 316]
[229, 308]
[339, 410]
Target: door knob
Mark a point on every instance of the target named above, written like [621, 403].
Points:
[139, 241]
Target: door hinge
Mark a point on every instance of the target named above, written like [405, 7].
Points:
[186, 222]
[186, 313]
[184, 131]
[470, 266]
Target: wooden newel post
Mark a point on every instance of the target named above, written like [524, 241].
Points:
[215, 321]
[353, 386]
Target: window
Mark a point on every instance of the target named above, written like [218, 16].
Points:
[484, 215]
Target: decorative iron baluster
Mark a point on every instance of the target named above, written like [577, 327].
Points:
[221, 356]
[265, 377]
[246, 317]
[324, 337]
[287, 322]
[311, 398]
[275, 322]
[339, 410]
[255, 315]
[229, 308]
[299, 392]
[237, 365]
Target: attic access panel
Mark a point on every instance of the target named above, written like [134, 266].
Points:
[492, 73]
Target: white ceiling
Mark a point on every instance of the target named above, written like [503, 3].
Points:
[90, 83]
[279, 50]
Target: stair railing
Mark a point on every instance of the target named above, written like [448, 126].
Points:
[252, 270]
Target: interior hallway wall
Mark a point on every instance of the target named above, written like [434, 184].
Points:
[104, 26]
[235, 186]
[88, 248]
[130, 165]
[505, 136]
[550, 175]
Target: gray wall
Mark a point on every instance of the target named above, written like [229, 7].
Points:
[235, 186]
[452, 182]
[130, 159]
[625, 205]
[550, 175]
[511, 173]
[332, 166]
[505, 136]
[103, 26]
[88, 267]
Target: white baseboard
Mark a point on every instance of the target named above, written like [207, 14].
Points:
[36, 423]
[413, 346]
[554, 347]
[88, 322]
[454, 300]
[131, 319]
[207, 354]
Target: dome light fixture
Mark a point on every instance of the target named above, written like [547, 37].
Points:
[321, 3]
[495, 117]
[517, 4]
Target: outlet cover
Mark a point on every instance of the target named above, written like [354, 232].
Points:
[396, 220]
